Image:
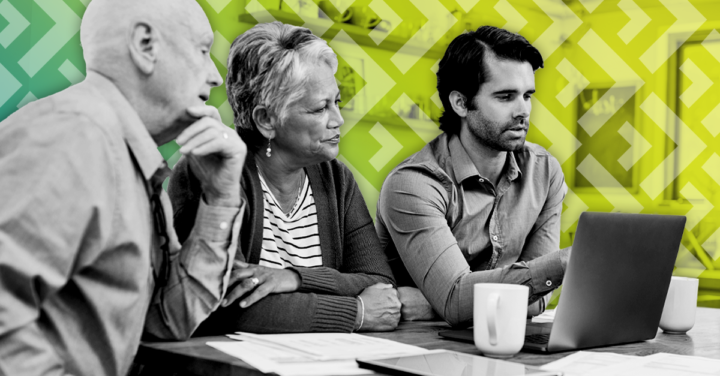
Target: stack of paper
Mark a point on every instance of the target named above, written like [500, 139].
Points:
[585, 363]
[310, 353]
[547, 316]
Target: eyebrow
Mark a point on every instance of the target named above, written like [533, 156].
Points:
[207, 40]
[318, 99]
[509, 91]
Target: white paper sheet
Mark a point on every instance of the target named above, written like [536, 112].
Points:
[583, 362]
[663, 364]
[311, 353]
[286, 362]
[334, 346]
[547, 316]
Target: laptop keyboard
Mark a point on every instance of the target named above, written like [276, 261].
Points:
[537, 338]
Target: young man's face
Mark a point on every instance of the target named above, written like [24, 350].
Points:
[499, 113]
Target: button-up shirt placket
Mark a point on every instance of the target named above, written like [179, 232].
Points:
[497, 220]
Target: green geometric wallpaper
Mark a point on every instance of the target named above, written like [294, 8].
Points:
[628, 100]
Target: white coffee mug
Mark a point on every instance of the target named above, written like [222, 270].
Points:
[499, 314]
[678, 314]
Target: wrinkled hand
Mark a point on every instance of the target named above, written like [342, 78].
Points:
[414, 305]
[382, 308]
[216, 155]
[261, 280]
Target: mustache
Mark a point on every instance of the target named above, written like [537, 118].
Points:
[518, 123]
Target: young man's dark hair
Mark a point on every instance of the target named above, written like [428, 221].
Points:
[463, 69]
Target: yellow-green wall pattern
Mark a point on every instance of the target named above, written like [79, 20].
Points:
[628, 101]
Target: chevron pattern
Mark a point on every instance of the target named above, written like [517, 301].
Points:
[653, 151]
[16, 24]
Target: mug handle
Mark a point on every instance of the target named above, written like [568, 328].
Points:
[493, 303]
[372, 22]
[345, 17]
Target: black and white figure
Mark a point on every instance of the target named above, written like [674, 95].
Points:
[308, 256]
[88, 254]
[477, 204]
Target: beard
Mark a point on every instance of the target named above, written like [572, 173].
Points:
[496, 135]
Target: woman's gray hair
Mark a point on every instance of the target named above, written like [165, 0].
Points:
[267, 67]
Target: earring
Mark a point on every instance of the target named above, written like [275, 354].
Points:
[268, 151]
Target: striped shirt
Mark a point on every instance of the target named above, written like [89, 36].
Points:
[290, 240]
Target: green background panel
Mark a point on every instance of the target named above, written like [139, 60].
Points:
[657, 154]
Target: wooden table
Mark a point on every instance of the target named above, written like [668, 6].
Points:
[193, 357]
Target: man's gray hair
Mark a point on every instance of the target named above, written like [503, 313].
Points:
[267, 66]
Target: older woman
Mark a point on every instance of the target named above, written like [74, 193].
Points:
[308, 256]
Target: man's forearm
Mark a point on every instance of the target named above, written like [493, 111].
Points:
[199, 275]
[287, 313]
[541, 275]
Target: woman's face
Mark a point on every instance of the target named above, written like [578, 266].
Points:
[310, 133]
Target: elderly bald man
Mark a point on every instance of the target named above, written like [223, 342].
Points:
[87, 246]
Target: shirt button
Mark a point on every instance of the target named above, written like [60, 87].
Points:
[495, 237]
[223, 225]
[482, 180]
[548, 283]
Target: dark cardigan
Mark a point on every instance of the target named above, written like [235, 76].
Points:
[351, 255]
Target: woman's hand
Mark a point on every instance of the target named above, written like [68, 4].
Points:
[260, 280]
[414, 304]
[382, 308]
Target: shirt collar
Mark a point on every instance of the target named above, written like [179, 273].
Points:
[134, 131]
[464, 168]
[462, 165]
[513, 170]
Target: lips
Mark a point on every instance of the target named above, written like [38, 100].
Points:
[334, 139]
[516, 132]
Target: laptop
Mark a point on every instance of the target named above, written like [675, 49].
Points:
[614, 286]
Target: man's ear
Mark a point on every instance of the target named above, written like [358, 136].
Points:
[458, 103]
[144, 47]
[264, 121]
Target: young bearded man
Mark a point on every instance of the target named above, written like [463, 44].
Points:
[478, 204]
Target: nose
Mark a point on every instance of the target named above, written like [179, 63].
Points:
[214, 77]
[336, 119]
[522, 108]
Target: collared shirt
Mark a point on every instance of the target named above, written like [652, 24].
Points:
[445, 227]
[78, 254]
